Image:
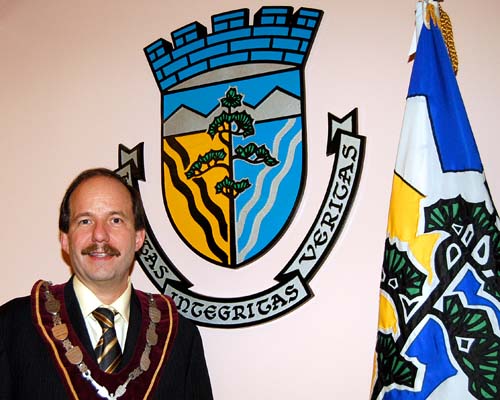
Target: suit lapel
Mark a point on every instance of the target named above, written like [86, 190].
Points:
[134, 327]
[76, 318]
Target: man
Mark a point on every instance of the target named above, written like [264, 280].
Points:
[96, 336]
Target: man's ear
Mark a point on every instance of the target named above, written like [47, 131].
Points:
[63, 239]
[140, 235]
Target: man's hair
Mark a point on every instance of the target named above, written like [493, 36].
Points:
[135, 197]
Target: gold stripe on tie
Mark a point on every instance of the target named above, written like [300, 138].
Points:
[108, 351]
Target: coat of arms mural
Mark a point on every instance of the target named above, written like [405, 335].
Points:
[234, 158]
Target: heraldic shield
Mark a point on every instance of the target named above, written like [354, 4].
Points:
[233, 129]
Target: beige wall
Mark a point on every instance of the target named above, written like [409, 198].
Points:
[75, 84]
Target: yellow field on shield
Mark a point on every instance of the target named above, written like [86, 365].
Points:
[201, 216]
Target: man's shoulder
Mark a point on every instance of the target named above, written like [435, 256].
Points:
[16, 305]
[14, 314]
[22, 305]
[186, 323]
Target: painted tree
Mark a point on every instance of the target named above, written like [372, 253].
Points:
[231, 122]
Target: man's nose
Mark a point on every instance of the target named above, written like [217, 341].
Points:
[100, 233]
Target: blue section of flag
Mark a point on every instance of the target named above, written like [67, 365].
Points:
[433, 77]
[429, 348]
[472, 289]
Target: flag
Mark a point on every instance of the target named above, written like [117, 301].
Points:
[438, 335]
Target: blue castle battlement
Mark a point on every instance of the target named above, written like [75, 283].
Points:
[278, 35]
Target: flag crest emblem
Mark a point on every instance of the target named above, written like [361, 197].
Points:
[438, 335]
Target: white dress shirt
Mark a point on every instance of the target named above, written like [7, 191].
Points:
[89, 302]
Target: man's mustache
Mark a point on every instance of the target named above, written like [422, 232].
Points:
[105, 248]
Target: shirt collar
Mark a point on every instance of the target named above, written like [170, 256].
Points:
[89, 302]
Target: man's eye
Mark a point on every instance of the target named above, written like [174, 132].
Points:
[84, 222]
[116, 220]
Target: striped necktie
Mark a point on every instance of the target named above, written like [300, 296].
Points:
[108, 350]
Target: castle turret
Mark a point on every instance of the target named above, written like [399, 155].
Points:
[278, 36]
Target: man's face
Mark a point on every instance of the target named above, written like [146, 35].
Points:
[102, 240]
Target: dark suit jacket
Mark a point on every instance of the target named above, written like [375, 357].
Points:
[27, 370]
